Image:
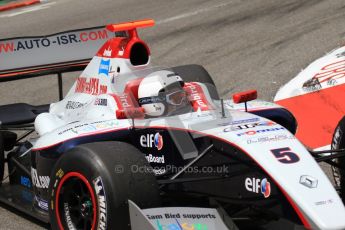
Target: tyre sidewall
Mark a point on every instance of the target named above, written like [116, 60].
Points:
[75, 162]
[338, 142]
[98, 168]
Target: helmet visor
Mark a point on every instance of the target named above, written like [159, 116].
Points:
[177, 97]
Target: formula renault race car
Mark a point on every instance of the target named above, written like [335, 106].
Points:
[133, 146]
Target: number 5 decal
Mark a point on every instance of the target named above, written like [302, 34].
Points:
[285, 155]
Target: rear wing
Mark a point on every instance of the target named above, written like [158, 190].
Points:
[26, 57]
[67, 51]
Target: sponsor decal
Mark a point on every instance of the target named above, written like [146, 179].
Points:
[68, 217]
[90, 86]
[265, 188]
[253, 132]
[239, 122]
[332, 82]
[327, 76]
[308, 181]
[104, 67]
[107, 52]
[159, 171]
[43, 204]
[272, 138]
[60, 173]
[158, 108]
[181, 226]
[331, 71]
[7, 47]
[249, 126]
[148, 100]
[58, 40]
[196, 96]
[97, 125]
[258, 186]
[312, 85]
[324, 202]
[158, 141]
[285, 155]
[39, 181]
[121, 51]
[74, 105]
[152, 140]
[101, 102]
[101, 197]
[155, 159]
[188, 220]
[124, 101]
[25, 181]
[93, 126]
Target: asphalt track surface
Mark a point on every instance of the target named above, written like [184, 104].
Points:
[248, 44]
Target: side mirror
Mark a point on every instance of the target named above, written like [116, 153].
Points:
[245, 96]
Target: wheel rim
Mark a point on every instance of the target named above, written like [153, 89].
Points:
[75, 203]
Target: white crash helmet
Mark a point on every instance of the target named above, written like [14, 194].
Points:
[153, 92]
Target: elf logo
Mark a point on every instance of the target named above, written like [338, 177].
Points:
[152, 140]
[258, 185]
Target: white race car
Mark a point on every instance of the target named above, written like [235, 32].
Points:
[133, 146]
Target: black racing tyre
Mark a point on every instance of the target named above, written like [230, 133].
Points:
[92, 183]
[197, 73]
[2, 158]
[338, 142]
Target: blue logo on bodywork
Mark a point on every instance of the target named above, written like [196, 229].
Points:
[25, 181]
[104, 67]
